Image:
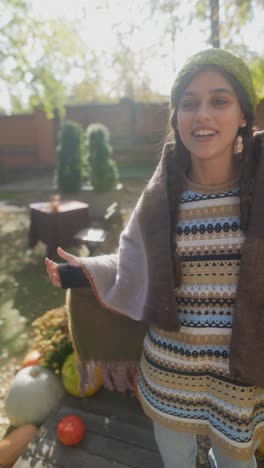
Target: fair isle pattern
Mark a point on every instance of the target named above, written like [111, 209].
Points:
[184, 382]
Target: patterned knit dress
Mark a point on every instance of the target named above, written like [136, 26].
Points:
[184, 382]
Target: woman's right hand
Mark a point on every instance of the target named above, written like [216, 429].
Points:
[52, 267]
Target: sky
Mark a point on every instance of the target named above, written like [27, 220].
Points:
[99, 32]
[98, 29]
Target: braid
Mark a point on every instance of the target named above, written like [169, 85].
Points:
[247, 176]
[172, 196]
[177, 165]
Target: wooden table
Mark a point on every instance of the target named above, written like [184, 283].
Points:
[57, 228]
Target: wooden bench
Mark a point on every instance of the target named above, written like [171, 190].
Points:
[94, 236]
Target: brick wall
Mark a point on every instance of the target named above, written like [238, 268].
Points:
[137, 129]
[27, 141]
[137, 133]
[117, 117]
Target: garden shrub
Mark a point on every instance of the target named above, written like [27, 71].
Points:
[102, 169]
[70, 158]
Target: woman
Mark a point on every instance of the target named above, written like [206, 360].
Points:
[190, 264]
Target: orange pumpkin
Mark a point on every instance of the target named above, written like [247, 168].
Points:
[15, 443]
[31, 359]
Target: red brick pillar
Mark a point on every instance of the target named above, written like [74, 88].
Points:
[45, 137]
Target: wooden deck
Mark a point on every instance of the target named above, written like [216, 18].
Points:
[118, 435]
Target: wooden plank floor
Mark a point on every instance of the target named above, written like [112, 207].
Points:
[118, 435]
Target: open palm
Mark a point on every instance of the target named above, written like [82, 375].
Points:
[52, 267]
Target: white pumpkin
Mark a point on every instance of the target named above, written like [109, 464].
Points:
[33, 393]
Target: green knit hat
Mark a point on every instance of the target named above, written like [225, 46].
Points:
[222, 59]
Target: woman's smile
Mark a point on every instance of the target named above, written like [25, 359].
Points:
[204, 134]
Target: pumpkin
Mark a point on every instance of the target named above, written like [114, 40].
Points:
[14, 444]
[33, 393]
[71, 430]
[31, 359]
[71, 378]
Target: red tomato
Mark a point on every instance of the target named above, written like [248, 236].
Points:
[71, 429]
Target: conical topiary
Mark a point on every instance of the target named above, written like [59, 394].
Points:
[70, 158]
[102, 170]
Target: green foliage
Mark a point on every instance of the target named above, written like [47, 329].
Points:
[201, 9]
[102, 170]
[230, 15]
[257, 70]
[50, 336]
[35, 58]
[59, 49]
[70, 158]
[87, 90]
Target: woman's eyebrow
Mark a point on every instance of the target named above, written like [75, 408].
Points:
[211, 91]
[221, 90]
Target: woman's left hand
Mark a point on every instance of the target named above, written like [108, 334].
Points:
[52, 267]
[53, 272]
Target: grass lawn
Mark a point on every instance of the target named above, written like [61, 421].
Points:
[25, 291]
[8, 195]
[144, 172]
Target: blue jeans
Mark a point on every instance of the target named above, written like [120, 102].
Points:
[179, 450]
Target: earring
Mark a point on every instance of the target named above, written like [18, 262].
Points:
[243, 125]
[238, 147]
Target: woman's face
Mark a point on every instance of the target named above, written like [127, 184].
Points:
[209, 116]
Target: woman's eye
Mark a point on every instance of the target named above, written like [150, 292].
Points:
[219, 101]
[187, 105]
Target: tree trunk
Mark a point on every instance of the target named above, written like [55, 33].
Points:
[214, 16]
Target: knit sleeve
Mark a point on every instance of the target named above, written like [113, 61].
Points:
[72, 277]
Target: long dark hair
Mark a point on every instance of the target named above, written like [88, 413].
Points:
[179, 161]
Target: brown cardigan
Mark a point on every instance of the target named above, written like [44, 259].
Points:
[247, 340]
[139, 283]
